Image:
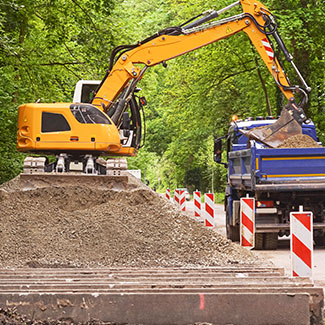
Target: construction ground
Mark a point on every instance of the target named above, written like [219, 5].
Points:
[119, 253]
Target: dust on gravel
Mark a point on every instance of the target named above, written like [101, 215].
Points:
[84, 226]
[299, 141]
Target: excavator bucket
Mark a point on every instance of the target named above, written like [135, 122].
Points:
[275, 134]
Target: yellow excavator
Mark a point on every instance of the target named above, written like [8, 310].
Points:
[110, 124]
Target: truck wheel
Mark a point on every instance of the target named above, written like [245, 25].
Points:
[259, 241]
[233, 232]
[319, 240]
[271, 240]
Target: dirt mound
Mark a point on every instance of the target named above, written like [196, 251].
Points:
[83, 226]
[299, 141]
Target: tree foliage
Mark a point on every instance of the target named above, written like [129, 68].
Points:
[45, 48]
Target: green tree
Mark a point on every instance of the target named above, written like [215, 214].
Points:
[45, 48]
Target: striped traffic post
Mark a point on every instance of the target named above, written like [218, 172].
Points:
[176, 196]
[168, 194]
[301, 243]
[209, 210]
[197, 203]
[247, 222]
[182, 200]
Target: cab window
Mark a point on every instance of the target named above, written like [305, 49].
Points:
[54, 122]
[88, 114]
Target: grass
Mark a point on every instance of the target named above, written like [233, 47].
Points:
[218, 197]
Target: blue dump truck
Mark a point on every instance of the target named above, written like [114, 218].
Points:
[280, 180]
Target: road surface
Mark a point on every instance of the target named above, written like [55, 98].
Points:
[279, 257]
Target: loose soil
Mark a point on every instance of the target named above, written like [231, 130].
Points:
[299, 141]
[85, 226]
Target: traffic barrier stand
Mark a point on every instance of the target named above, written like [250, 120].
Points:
[182, 200]
[168, 194]
[209, 210]
[197, 203]
[176, 196]
[247, 222]
[301, 243]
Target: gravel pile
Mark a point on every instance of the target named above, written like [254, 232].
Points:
[299, 141]
[83, 226]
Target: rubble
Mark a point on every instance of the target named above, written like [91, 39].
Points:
[84, 226]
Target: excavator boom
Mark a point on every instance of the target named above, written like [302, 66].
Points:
[256, 21]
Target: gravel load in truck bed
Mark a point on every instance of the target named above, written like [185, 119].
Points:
[83, 226]
[299, 141]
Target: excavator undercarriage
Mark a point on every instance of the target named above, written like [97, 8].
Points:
[86, 165]
[38, 172]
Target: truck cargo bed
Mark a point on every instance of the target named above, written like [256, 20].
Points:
[294, 169]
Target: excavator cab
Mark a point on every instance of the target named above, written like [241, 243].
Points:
[78, 128]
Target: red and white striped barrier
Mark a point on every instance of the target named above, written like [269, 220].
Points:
[301, 243]
[247, 222]
[197, 203]
[182, 200]
[209, 209]
[168, 194]
[176, 196]
[268, 48]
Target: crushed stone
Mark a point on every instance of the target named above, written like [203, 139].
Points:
[84, 226]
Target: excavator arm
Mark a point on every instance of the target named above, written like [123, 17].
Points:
[256, 21]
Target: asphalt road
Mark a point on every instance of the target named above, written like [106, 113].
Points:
[279, 257]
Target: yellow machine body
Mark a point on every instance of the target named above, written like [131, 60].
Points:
[54, 128]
